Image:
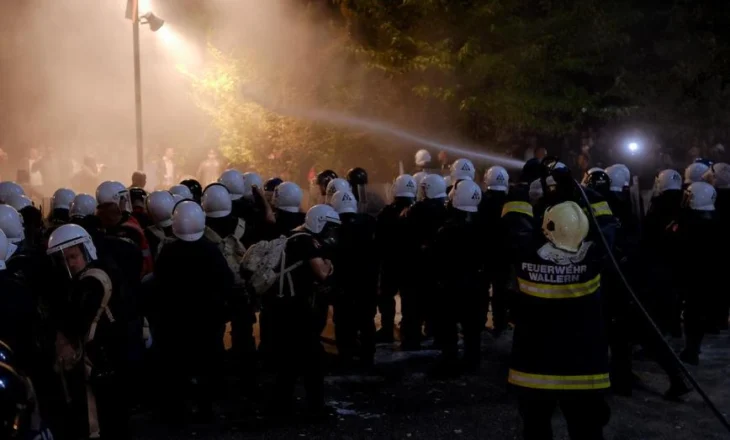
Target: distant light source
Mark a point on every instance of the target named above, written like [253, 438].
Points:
[633, 147]
[154, 21]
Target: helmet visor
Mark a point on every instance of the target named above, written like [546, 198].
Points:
[71, 259]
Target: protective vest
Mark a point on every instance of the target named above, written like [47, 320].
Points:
[559, 343]
[232, 249]
[147, 260]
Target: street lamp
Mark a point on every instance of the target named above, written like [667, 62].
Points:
[155, 24]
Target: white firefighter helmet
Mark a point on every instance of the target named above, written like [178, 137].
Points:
[462, 169]
[19, 201]
[627, 170]
[718, 175]
[667, 180]
[114, 192]
[405, 186]
[233, 181]
[535, 192]
[68, 236]
[159, 206]
[619, 176]
[62, 198]
[216, 201]
[182, 191]
[9, 188]
[188, 221]
[12, 224]
[423, 157]
[288, 197]
[318, 216]
[336, 185]
[7, 249]
[565, 226]
[497, 179]
[344, 202]
[694, 172]
[82, 205]
[700, 196]
[434, 186]
[251, 179]
[466, 196]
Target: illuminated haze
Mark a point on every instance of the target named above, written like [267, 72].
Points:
[68, 77]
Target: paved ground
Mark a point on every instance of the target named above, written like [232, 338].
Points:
[403, 402]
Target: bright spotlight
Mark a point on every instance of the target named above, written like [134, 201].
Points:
[154, 21]
[633, 147]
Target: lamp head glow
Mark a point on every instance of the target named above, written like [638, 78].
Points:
[633, 147]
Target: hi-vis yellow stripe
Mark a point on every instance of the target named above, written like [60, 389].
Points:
[520, 207]
[550, 382]
[601, 208]
[559, 291]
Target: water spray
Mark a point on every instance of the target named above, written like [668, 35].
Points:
[340, 119]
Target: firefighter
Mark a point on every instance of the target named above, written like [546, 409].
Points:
[559, 351]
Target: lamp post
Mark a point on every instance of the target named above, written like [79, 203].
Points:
[155, 24]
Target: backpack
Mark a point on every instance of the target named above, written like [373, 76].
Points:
[163, 239]
[232, 249]
[265, 263]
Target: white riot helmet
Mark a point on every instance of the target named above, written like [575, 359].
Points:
[620, 177]
[159, 206]
[319, 216]
[114, 192]
[535, 192]
[68, 236]
[718, 176]
[694, 172]
[344, 202]
[462, 169]
[288, 197]
[19, 202]
[188, 221]
[497, 179]
[62, 199]
[182, 191]
[405, 186]
[626, 169]
[449, 181]
[7, 249]
[667, 180]
[216, 201]
[177, 198]
[336, 185]
[9, 188]
[434, 187]
[423, 158]
[82, 205]
[466, 196]
[250, 180]
[12, 224]
[566, 226]
[700, 196]
[233, 181]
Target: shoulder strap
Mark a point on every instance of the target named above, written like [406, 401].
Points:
[240, 229]
[211, 235]
[286, 271]
[106, 282]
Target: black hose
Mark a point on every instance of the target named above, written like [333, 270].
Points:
[646, 315]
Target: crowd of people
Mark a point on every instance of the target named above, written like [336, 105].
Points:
[123, 297]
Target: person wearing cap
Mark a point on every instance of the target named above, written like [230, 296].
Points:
[193, 282]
